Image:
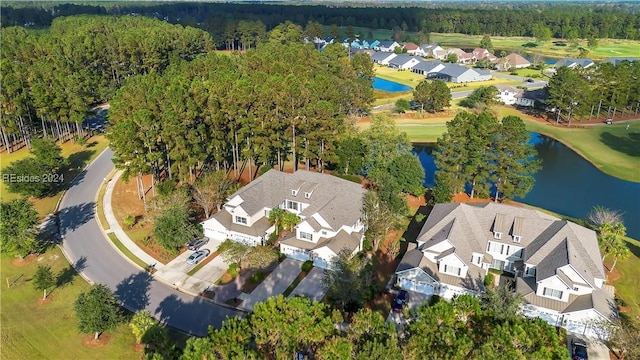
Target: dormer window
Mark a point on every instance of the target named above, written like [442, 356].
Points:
[517, 238]
[294, 192]
[497, 235]
[307, 195]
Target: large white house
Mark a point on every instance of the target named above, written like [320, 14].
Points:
[556, 265]
[329, 209]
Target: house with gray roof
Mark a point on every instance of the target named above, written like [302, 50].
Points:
[387, 46]
[459, 74]
[555, 264]
[572, 63]
[382, 58]
[404, 62]
[329, 209]
[617, 60]
[427, 67]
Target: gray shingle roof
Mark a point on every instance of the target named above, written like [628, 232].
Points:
[379, 56]
[338, 201]
[402, 59]
[454, 70]
[386, 43]
[426, 66]
[574, 62]
[341, 241]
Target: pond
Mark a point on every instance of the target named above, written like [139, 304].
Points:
[567, 184]
[389, 86]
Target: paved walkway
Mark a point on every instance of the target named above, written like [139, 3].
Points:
[311, 286]
[276, 283]
[115, 228]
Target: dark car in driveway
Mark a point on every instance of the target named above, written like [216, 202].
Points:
[198, 256]
[196, 244]
[579, 349]
[400, 301]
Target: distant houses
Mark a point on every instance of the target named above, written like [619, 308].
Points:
[573, 63]
[511, 62]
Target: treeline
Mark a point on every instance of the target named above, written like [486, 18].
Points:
[621, 21]
[51, 79]
[608, 89]
[281, 101]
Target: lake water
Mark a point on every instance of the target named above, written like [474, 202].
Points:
[567, 184]
[389, 86]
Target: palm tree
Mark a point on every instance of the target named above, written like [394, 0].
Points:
[275, 218]
[289, 220]
[619, 251]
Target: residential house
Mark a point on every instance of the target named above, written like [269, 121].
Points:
[463, 56]
[428, 50]
[410, 48]
[371, 43]
[572, 63]
[387, 46]
[329, 209]
[512, 61]
[617, 60]
[404, 62]
[440, 54]
[529, 98]
[427, 67]
[382, 58]
[459, 74]
[555, 264]
[480, 53]
[508, 95]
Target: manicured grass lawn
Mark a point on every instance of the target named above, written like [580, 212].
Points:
[606, 47]
[49, 331]
[611, 148]
[628, 286]
[78, 157]
[126, 251]
[405, 77]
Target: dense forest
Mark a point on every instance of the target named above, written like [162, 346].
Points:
[619, 20]
[50, 79]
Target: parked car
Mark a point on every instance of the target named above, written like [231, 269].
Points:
[400, 301]
[579, 349]
[196, 244]
[530, 80]
[608, 121]
[198, 256]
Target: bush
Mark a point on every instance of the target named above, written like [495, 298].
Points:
[488, 280]
[419, 217]
[263, 169]
[513, 73]
[165, 187]
[257, 277]
[367, 244]
[233, 270]
[434, 300]
[80, 140]
[402, 105]
[129, 221]
[281, 256]
[273, 237]
[353, 178]
[307, 266]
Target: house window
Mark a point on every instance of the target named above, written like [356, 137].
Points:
[516, 238]
[324, 232]
[241, 220]
[292, 205]
[497, 235]
[531, 271]
[452, 270]
[552, 293]
[294, 192]
[519, 253]
[306, 236]
[307, 195]
[492, 247]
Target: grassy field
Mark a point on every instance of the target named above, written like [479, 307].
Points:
[31, 330]
[628, 286]
[606, 47]
[613, 149]
[78, 157]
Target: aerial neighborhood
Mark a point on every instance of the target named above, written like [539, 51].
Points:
[188, 181]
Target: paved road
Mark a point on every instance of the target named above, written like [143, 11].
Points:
[89, 250]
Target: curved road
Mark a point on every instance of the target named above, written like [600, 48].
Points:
[87, 248]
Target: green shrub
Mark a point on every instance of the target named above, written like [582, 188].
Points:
[257, 277]
[353, 178]
[273, 237]
[281, 256]
[420, 217]
[434, 300]
[307, 266]
[489, 279]
[367, 244]
[165, 187]
[129, 221]
[233, 270]
[80, 140]
[263, 169]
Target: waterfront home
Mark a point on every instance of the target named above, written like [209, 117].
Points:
[329, 209]
[555, 264]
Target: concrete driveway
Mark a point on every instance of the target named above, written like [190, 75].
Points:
[311, 286]
[275, 284]
[595, 348]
